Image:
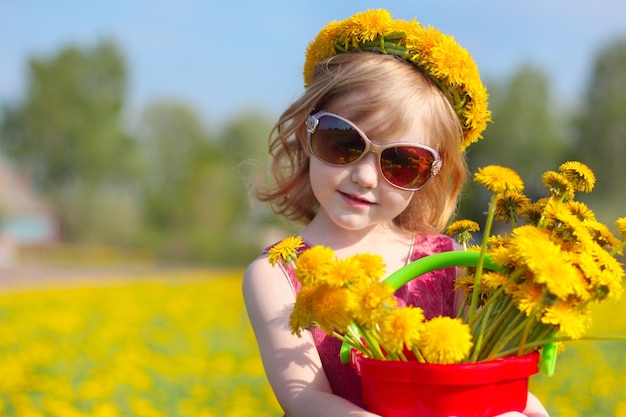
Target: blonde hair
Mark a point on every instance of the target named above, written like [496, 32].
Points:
[396, 93]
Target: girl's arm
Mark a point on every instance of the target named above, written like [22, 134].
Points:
[292, 364]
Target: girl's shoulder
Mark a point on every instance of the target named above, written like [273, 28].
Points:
[264, 284]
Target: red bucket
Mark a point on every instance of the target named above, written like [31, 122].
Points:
[412, 389]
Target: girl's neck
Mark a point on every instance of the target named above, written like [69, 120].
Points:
[384, 240]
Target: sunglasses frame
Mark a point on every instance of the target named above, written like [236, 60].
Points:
[312, 123]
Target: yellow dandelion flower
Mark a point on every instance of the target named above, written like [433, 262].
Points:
[497, 241]
[604, 273]
[494, 280]
[533, 212]
[557, 184]
[301, 316]
[527, 297]
[620, 224]
[312, 262]
[474, 248]
[601, 234]
[321, 48]
[340, 273]
[366, 26]
[372, 266]
[285, 251]
[580, 210]
[569, 319]
[401, 328]
[498, 179]
[561, 278]
[462, 229]
[565, 225]
[460, 226]
[465, 283]
[509, 205]
[372, 302]
[332, 308]
[445, 340]
[529, 245]
[601, 282]
[452, 61]
[501, 255]
[580, 176]
[547, 263]
[608, 285]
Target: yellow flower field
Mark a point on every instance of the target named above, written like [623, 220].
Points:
[179, 344]
[176, 345]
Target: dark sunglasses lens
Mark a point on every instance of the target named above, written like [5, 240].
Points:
[407, 166]
[336, 142]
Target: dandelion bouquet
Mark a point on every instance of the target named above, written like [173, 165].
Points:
[528, 289]
[549, 270]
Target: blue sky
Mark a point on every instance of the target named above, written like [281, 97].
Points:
[224, 56]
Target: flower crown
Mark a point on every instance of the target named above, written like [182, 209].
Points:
[435, 54]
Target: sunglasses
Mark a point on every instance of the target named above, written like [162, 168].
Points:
[337, 141]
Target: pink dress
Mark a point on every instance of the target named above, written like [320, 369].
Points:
[433, 292]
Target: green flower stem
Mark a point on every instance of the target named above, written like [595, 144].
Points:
[509, 336]
[418, 354]
[513, 216]
[383, 44]
[372, 343]
[506, 321]
[491, 338]
[548, 337]
[504, 329]
[354, 339]
[396, 356]
[495, 297]
[481, 259]
[487, 329]
[481, 334]
[522, 343]
[484, 315]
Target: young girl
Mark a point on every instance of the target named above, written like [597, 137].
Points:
[370, 159]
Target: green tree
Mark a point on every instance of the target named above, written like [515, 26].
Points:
[526, 134]
[600, 132]
[67, 133]
[175, 158]
[243, 145]
[68, 126]
[195, 186]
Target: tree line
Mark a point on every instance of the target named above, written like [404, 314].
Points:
[170, 184]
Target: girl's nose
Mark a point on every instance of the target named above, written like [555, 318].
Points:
[365, 172]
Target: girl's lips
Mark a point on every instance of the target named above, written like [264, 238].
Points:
[354, 200]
